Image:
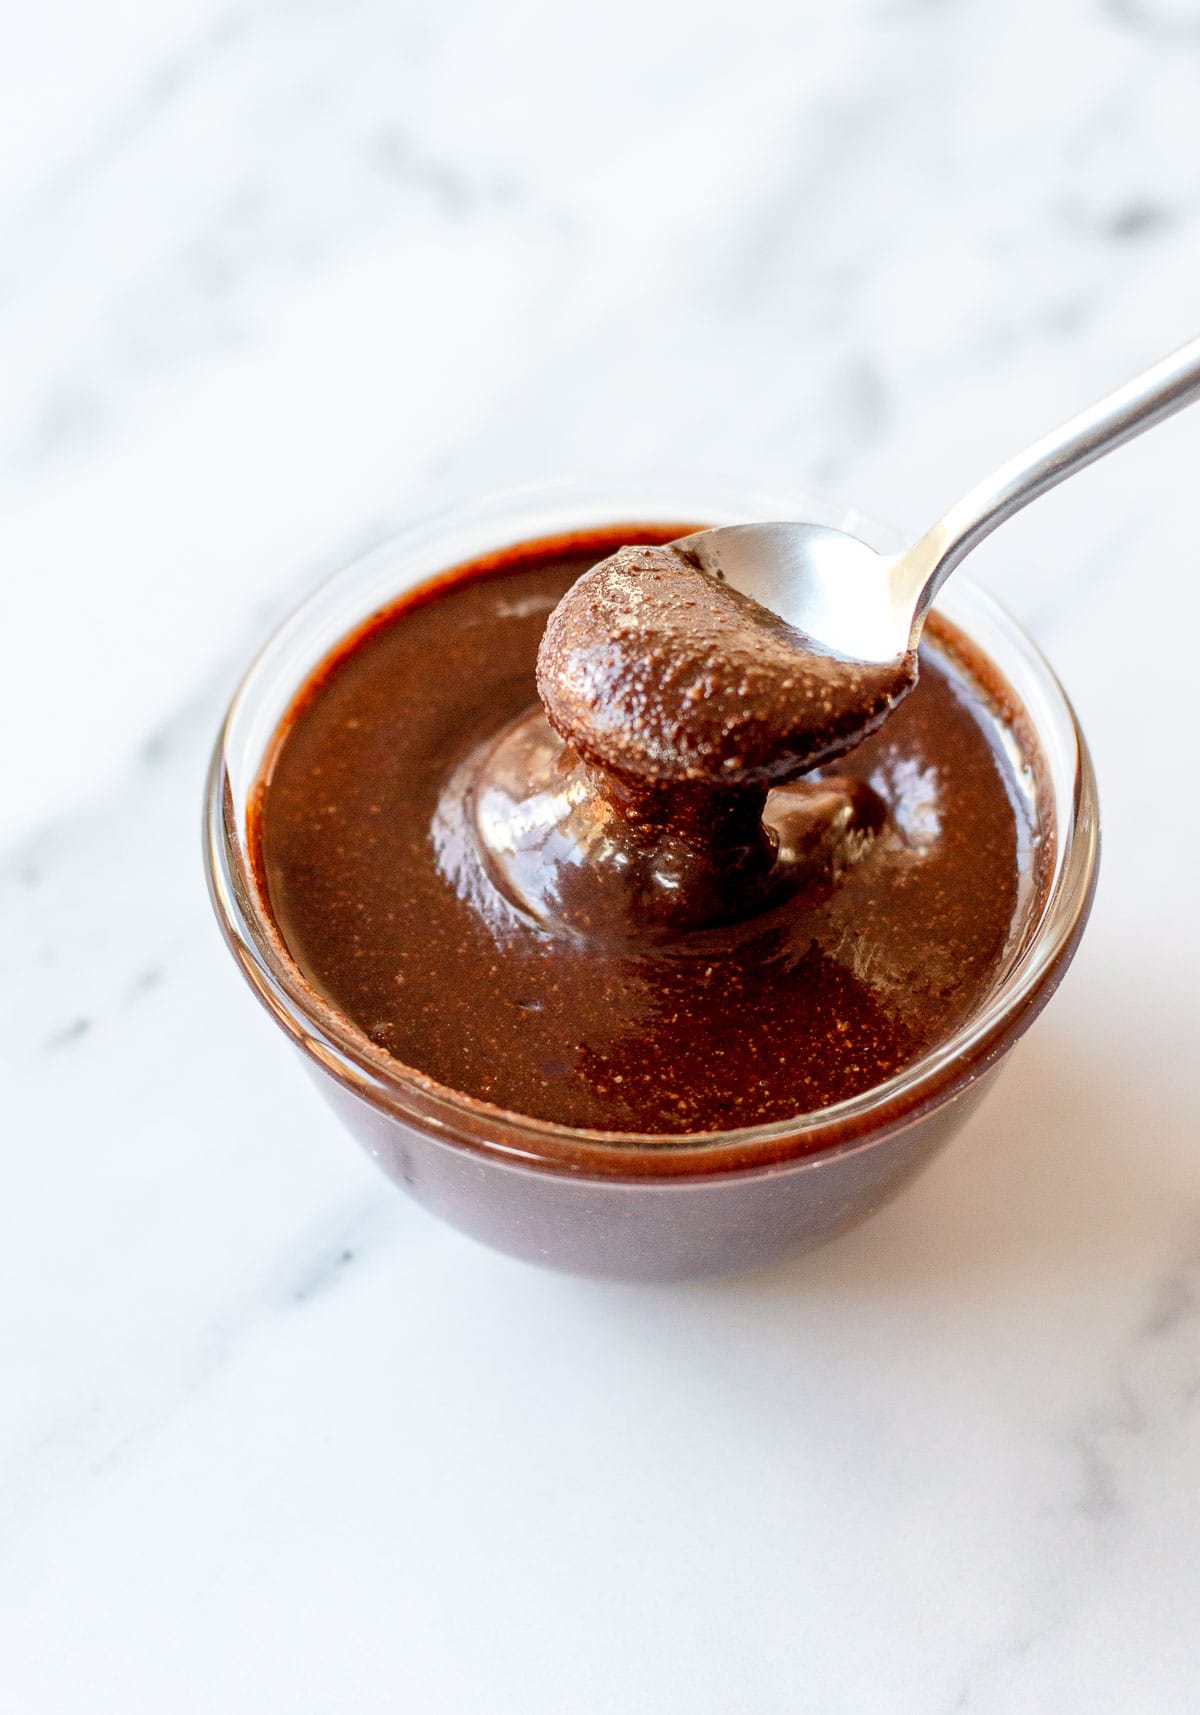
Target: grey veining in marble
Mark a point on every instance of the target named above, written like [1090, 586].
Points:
[275, 277]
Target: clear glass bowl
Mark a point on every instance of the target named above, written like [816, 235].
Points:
[619, 1203]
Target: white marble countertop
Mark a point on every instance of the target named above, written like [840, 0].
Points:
[274, 278]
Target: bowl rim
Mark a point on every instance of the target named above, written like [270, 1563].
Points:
[343, 1051]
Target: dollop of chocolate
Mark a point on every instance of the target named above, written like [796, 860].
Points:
[652, 669]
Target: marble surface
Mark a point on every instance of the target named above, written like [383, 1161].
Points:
[273, 279]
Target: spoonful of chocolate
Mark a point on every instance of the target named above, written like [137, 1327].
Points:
[655, 669]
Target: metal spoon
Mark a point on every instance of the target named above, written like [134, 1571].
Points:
[871, 606]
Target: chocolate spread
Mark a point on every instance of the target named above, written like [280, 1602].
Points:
[662, 909]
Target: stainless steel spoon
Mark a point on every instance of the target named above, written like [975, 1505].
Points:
[871, 606]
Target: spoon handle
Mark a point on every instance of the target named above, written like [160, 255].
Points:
[1166, 387]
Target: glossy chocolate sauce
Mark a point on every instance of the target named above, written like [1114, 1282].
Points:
[685, 919]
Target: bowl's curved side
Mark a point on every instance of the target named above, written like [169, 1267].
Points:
[673, 1228]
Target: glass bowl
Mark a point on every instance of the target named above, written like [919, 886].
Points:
[618, 1203]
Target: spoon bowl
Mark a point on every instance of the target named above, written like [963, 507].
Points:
[834, 587]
